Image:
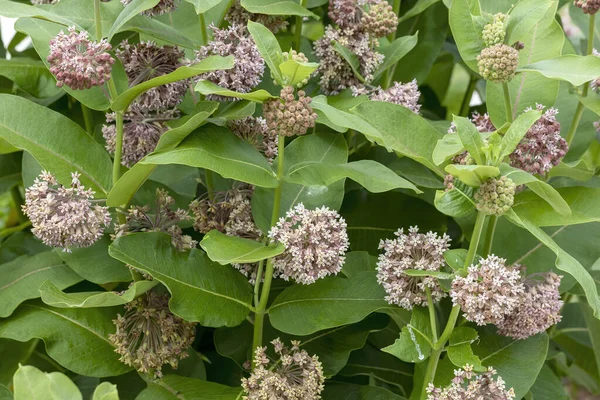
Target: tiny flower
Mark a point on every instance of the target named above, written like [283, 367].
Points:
[315, 242]
[145, 61]
[498, 63]
[538, 309]
[163, 7]
[64, 217]
[406, 95]
[294, 375]
[417, 251]
[141, 133]
[248, 67]
[287, 116]
[495, 32]
[588, 6]
[495, 196]
[467, 385]
[238, 15]
[149, 336]
[489, 292]
[542, 147]
[160, 219]
[77, 62]
[256, 132]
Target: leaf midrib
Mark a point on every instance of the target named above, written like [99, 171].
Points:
[29, 274]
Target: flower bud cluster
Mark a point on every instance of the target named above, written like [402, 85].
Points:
[248, 67]
[495, 196]
[542, 147]
[163, 7]
[149, 336]
[315, 244]
[414, 251]
[495, 32]
[238, 15]
[255, 131]
[588, 6]
[64, 217]
[159, 219]
[77, 62]
[467, 385]
[294, 375]
[498, 63]
[287, 116]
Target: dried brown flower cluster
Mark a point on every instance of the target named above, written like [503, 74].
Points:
[467, 385]
[287, 116]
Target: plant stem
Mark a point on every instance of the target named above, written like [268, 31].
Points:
[438, 347]
[298, 33]
[18, 202]
[87, 119]
[210, 184]
[507, 102]
[203, 28]
[489, 236]
[279, 189]
[586, 86]
[98, 22]
[432, 314]
[118, 147]
[466, 104]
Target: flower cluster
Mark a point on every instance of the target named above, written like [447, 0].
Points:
[489, 292]
[163, 7]
[495, 32]
[64, 217]
[406, 95]
[287, 116]
[141, 133]
[467, 385]
[248, 67]
[588, 6]
[542, 147]
[146, 60]
[160, 219]
[336, 73]
[78, 62]
[148, 335]
[495, 196]
[255, 131]
[237, 15]
[373, 17]
[315, 242]
[412, 251]
[498, 63]
[538, 309]
[295, 375]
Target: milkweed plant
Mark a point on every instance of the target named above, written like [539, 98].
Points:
[300, 200]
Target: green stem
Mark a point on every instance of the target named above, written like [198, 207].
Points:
[438, 347]
[203, 28]
[507, 102]
[388, 74]
[14, 229]
[432, 314]
[98, 21]
[576, 119]
[210, 184]
[259, 277]
[466, 104]
[489, 236]
[118, 147]
[18, 202]
[87, 119]
[298, 34]
[279, 189]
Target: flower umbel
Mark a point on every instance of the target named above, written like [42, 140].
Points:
[468, 385]
[149, 336]
[498, 63]
[489, 292]
[424, 252]
[315, 241]
[163, 7]
[406, 95]
[287, 116]
[495, 32]
[588, 6]
[78, 62]
[294, 376]
[255, 131]
[64, 217]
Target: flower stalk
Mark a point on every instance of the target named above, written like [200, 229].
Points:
[298, 32]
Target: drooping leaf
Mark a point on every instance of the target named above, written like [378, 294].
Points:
[191, 277]
[415, 342]
[418, 8]
[5, 393]
[173, 387]
[31, 383]
[226, 249]
[55, 297]
[11, 9]
[572, 68]
[207, 87]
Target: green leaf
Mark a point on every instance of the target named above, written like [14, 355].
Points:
[207, 87]
[436, 274]
[593, 325]
[579, 170]
[211, 63]
[293, 72]
[460, 351]
[455, 258]
[106, 391]
[466, 31]
[351, 59]
[373, 176]
[447, 147]
[130, 11]
[401, 130]
[414, 344]
[277, 7]
[11, 9]
[56, 142]
[10, 170]
[191, 277]
[174, 387]
[55, 297]
[524, 17]
[471, 139]
[473, 175]
[572, 68]
[268, 47]
[20, 279]
[31, 76]
[5, 393]
[328, 303]
[564, 261]
[72, 337]
[516, 132]
[220, 150]
[126, 187]
[395, 51]
[203, 6]
[548, 386]
[226, 249]
[31, 383]
[418, 8]
[13, 354]
[158, 30]
[347, 391]
[456, 202]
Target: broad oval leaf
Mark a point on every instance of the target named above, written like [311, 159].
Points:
[106, 391]
[473, 175]
[415, 342]
[31, 383]
[456, 202]
[572, 68]
[466, 31]
[516, 132]
[55, 297]
[207, 87]
[203, 6]
[31, 76]
[174, 387]
[268, 47]
[277, 7]
[224, 294]
[226, 249]
[395, 51]
[293, 72]
[72, 337]
[470, 138]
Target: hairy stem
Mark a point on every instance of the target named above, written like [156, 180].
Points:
[432, 314]
[507, 102]
[87, 119]
[466, 104]
[298, 32]
[586, 87]
[118, 147]
[489, 235]
[98, 20]
[438, 347]
[210, 184]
